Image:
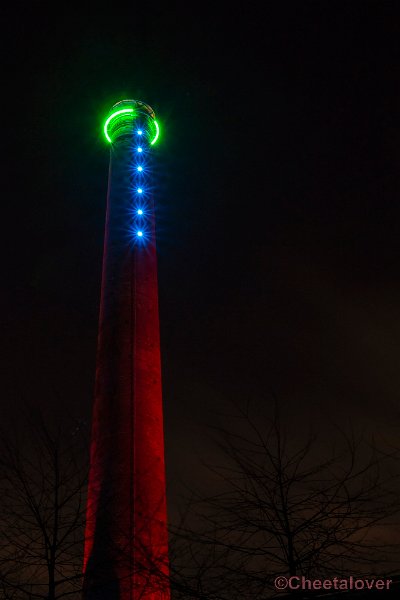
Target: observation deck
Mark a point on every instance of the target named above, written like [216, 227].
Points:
[129, 117]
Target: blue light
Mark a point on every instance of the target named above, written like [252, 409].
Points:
[139, 132]
[140, 149]
[139, 191]
[140, 169]
[139, 212]
[140, 233]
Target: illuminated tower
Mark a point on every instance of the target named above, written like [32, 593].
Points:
[126, 549]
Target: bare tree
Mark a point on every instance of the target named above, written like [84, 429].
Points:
[286, 509]
[42, 525]
[42, 487]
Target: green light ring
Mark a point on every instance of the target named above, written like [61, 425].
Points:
[111, 117]
[157, 133]
[124, 111]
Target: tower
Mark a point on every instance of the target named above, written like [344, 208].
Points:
[126, 546]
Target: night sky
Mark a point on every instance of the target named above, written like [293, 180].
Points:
[278, 206]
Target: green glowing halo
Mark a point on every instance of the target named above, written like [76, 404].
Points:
[111, 117]
[157, 132]
[117, 113]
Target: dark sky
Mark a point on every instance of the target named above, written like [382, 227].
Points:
[278, 205]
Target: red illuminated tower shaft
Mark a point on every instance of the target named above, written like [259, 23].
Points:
[126, 550]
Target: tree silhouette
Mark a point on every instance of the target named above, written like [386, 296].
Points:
[42, 488]
[283, 508]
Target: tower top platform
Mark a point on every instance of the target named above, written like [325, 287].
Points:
[128, 117]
